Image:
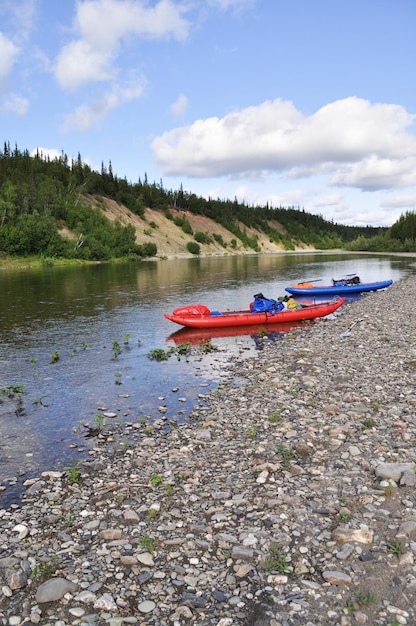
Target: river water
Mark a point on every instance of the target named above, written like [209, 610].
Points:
[78, 340]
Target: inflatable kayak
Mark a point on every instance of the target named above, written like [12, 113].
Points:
[339, 288]
[200, 316]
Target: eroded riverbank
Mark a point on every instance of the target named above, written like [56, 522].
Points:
[290, 499]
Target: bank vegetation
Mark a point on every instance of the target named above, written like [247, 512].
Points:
[60, 208]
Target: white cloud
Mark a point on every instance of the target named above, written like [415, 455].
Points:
[8, 55]
[19, 17]
[16, 105]
[354, 142]
[102, 25]
[400, 202]
[374, 172]
[81, 63]
[87, 116]
[180, 106]
[331, 199]
[52, 153]
[235, 5]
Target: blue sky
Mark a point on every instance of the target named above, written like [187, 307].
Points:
[305, 103]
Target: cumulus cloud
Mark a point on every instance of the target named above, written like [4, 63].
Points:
[354, 142]
[8, 55]
[102, 25]
[180, 106]
[374, 172]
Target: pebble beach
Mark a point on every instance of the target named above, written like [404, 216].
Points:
[289, 498]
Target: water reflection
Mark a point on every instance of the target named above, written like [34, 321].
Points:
[198, 336]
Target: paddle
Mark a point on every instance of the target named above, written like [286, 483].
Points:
[347, 333]
[315, 280]
[347, 275]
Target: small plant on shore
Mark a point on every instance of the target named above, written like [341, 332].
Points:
[12, 391]
[183, 349]
[148, 543]
[69, 520]
[33, 360]
[100, 420]
[389, 490]
[118, 378]
[126, 338]
[158, 354]
[55, 356]
[116, 349]
[396, 548]
[251, 431]
[156, 480]
[275, 417]
[206, 347]
[45, 570]
[74, 472]
[365, 598]
[350, 607]
[286, 453]
[276, 560]
[368, 422]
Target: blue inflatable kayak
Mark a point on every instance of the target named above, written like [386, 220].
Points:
[339, 287]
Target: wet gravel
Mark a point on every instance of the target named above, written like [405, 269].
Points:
[288, 498]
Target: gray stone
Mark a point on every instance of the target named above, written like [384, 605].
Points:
[54, 589]
[336, 578]
[147, 606]
[393, 471]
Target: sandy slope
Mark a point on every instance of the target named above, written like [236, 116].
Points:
[171, 241]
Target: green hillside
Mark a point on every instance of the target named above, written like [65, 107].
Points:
[46, 211]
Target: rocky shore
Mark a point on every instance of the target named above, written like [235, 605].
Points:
[290, 497]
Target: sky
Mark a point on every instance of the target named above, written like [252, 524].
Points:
[296, 103]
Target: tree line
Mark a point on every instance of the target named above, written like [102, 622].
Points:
[42, 198]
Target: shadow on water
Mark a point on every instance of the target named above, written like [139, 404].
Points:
[78, 339]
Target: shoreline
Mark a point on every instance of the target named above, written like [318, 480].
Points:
[38, 262]
[290, 499]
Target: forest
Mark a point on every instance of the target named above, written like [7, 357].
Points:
[42, 199]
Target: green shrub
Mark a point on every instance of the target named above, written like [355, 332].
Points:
[193, 247]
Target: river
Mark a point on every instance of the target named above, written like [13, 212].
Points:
[75, 343]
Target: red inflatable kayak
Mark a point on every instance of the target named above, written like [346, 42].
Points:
[199, 315]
